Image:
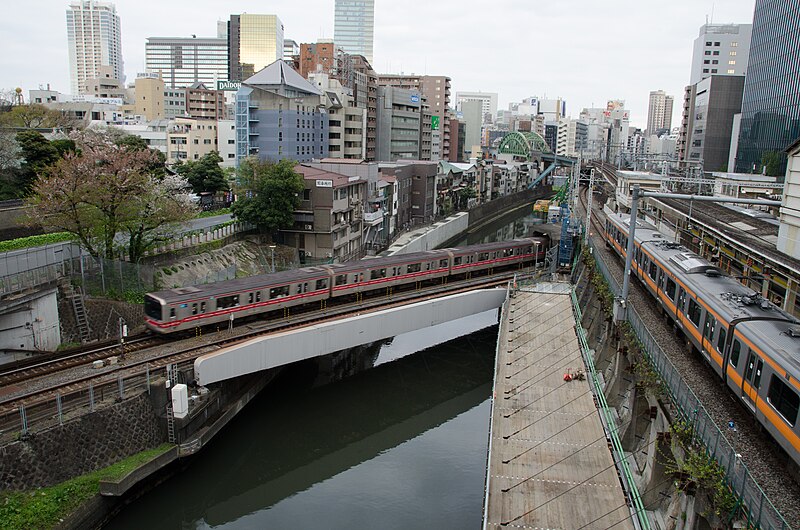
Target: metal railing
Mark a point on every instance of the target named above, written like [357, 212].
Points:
[759, 509]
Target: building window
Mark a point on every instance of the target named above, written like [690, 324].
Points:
[708, 52]
[716, 52]
[734, 44]
[706, 61]
[731, 63]
[716, 44]
[731, 71]
[713, 70]
[705, 70]
[732, 54]
[708, 43]
[715, 61]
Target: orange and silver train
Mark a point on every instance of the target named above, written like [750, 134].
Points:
[752, 344]
[185, 308]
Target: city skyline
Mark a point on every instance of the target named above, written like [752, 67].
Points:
[612, 51]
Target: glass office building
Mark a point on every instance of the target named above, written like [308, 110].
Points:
[183, 62]
[771, 100]
[254, 42]
[354, 26]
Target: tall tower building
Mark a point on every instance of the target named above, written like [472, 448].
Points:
[94, 39]
[254, 41]
[659, 112]
[354, 26]
[770, 113]
[720, 49]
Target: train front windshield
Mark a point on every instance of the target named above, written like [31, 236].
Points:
[152, 307]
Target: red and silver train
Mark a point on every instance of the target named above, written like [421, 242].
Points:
[184, 308]
[753, 345]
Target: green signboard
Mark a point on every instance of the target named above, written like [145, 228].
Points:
[434, 123]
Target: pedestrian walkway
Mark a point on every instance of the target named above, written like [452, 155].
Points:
[550, 465]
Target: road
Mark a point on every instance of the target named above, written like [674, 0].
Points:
[19, 261]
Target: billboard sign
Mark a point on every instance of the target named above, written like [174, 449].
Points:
[434, 123]
[414, 98]
[229, 85]
[324, 183]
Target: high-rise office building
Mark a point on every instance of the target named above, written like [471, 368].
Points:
[720, 49]
[94, 39]
[354, 26]
[185, 61]
[436, 91]
[254, 41]
[659, 112]
[770, 113]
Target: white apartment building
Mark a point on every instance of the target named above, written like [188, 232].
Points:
[488, 103]
[721, 49]
[659, 111]
[226, 142]
[94, 39]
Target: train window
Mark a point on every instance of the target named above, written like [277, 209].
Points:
[414, 267]
[681, 299]
[757, 378]
[457, 260]
[194, 309]
[708, 327]
[483, 256]
[250, 298]
[202, 307]
[442, 263]
[751, 365]
[227, 301]
[784, 399]
[377, 273]
[341, 279]
[736, 350]
[653, 272]
[694, 313]
[152, 308]
[258, 296]
[321, 284]
[277, 292]
[721, 339]
[171, 312]
[528, 250]
[670, 290]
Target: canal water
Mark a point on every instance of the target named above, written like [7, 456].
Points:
[402, 445]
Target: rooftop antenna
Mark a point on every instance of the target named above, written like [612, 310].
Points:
[712, 12]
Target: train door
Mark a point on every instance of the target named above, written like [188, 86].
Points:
[752, 379]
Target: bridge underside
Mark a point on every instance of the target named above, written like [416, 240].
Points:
[322, 339]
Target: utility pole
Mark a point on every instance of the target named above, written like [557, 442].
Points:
[589, 208]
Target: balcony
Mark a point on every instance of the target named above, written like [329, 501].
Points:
[373, 218]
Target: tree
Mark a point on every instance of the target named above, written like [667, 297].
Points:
[103, 189]
[9, 167]
[269, 193]
[771, 163]
[38, 154]
[464, 195]
[35, 116]
[204, 174]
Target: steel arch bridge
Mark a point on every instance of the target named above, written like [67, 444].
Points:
[522, 143]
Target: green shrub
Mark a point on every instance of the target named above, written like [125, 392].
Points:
[35, 241]
[45, 507]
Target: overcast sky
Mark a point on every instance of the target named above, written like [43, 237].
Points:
[585, 51]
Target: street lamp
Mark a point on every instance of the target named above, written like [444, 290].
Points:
[272, 257]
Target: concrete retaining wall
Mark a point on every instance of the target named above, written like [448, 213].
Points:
[436, 235]
[88, 443]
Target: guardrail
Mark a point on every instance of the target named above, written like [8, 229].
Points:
[759, 509]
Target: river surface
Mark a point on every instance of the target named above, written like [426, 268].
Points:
[402, 445]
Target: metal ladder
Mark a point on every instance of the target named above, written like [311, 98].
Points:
[172, 374]
[81, 317]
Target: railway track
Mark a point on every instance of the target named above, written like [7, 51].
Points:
[767, 463]
[53, 363]
[70, 389]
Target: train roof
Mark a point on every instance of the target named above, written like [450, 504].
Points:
[781, 339]
[724, 294]
[192, 292]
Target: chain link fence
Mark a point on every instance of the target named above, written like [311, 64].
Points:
[760, 511]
